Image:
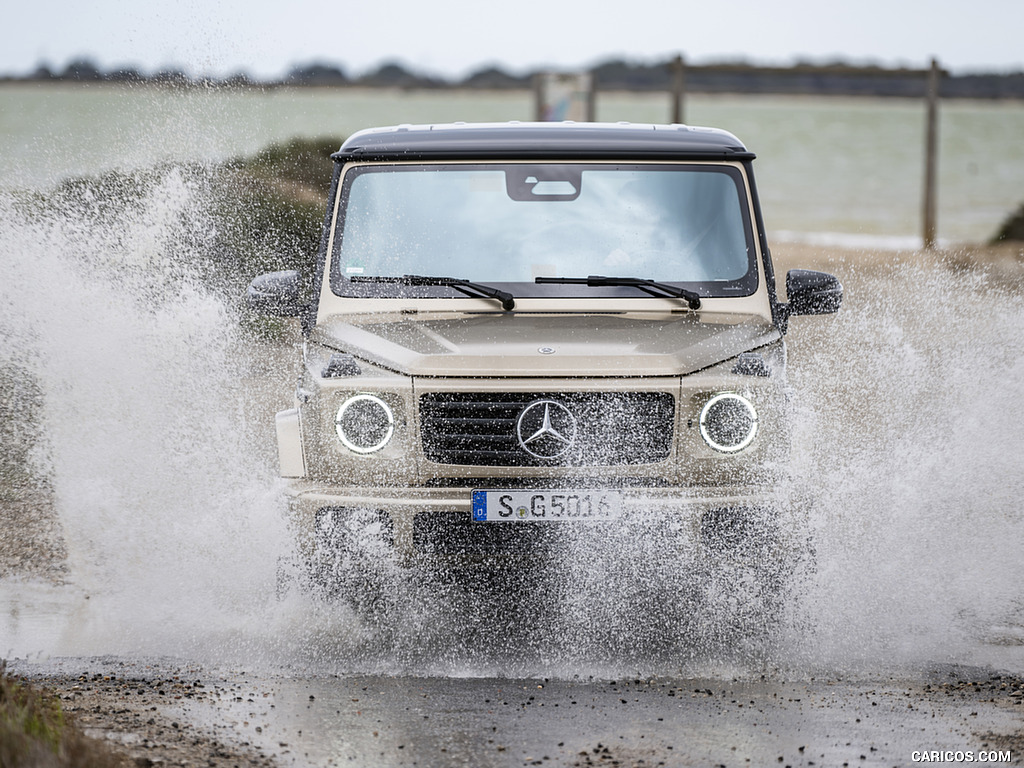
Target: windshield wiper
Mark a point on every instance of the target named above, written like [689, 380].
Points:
[653, 287]
[508, 301]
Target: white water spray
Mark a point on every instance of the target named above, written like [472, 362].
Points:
[171, 524]
[912, 433]
[909, 427]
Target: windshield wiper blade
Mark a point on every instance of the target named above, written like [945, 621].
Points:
[653, 287]
[508, 301]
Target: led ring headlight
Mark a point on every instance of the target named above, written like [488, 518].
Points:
[364, 423]
[728, 422]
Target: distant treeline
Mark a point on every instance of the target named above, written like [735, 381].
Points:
[615, 75]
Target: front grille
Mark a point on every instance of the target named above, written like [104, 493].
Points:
[608, 428]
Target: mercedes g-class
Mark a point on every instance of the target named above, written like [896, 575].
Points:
[512, 330]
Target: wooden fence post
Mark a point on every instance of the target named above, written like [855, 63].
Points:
[678, 67]
[591, 102]
[931, 156]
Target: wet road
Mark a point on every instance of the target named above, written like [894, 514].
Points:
[382, 721]
[442, 722]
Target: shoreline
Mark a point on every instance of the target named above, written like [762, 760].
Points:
[458, 89]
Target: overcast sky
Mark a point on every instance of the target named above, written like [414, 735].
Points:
[454, 37]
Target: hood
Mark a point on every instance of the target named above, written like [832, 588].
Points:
[523, 344]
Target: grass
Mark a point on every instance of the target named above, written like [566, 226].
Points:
[269, 208]
[35, 733]
[245, 216]
[1012, 228]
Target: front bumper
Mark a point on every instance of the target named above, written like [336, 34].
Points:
[435, 524]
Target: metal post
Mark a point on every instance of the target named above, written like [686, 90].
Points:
[931, 155]
[678, 67]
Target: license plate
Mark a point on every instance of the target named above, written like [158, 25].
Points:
[525, 506]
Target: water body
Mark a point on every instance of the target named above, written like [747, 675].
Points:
[831, 170]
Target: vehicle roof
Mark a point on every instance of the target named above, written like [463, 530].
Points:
[515, 140]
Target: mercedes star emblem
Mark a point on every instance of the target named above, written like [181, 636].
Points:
[546, 429]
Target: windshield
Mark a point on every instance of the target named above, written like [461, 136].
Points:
[510, 223]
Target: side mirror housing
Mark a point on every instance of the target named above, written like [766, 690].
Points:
[813, 293]
[276, 294]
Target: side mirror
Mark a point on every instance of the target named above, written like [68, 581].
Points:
[276, 294]
[813, 293]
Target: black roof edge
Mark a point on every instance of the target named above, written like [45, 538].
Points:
[542, 141]
[341, 157]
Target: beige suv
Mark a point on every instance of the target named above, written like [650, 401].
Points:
[516, 333]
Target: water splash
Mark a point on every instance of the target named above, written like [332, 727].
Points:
[169, 520]
[908, 427]
[911, 432]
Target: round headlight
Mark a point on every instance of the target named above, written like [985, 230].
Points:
[364, 423]
[728, 423]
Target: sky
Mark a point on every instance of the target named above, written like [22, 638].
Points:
[453, 38]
